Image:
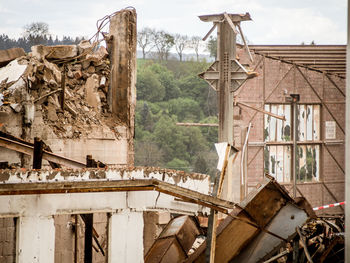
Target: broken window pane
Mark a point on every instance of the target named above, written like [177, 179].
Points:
[278, 158]
[308, 163]
[267, 124]
[277, 161]
[276, 129]
[287, 124]
[309, 122]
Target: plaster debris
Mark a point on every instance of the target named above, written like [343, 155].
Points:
[40, 77]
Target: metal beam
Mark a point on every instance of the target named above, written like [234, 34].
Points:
[220, 17]
[197, 124]
[116, 186]
[51, 157]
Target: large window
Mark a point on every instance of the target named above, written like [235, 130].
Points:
[279, 142]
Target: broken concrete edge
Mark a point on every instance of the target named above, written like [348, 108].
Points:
[8, 55]
[26, 175]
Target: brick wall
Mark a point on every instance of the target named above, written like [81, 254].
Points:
[275, 78]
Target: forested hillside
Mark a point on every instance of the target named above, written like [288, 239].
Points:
[169, 92]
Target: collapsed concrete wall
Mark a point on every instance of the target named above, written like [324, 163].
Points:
[60, 94]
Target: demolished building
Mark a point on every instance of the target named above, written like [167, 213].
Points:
[80, 101]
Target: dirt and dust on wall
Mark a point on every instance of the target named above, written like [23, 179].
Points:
[60, 94]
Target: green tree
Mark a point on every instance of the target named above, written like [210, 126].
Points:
[178, 164]
[145, 41]
[185, 109]
[200, 165]
[36, 33]
[167, 79]
[212, 47]
[148, 86]
[163, 42]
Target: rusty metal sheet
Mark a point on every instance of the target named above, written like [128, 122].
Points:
[234, 235]
[284, 223]
[165, 250]
[174, 242]
[184, 228]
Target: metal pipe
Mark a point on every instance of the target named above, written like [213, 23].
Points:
[277, 256]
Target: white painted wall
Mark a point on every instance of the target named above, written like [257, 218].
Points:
[35, 239]
[126, 237]
[36, 230]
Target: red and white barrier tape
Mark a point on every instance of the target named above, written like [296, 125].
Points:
[328, 206]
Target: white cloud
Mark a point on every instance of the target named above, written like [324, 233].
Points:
[274, 21]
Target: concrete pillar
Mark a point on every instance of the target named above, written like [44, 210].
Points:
[122, 92]
[125, 237]
[35, 239]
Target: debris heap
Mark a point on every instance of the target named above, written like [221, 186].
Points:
[67, 83]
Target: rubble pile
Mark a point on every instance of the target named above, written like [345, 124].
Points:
[319, 240]
[73, 76]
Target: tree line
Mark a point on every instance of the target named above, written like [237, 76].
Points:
[151, 41]
[160, 42]
[36, 33]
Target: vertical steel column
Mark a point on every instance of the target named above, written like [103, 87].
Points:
[295, 99]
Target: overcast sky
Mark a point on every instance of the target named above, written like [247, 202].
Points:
[274, 21]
